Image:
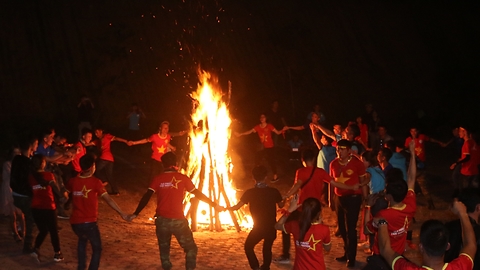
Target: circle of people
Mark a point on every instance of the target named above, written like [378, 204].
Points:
[45, 177]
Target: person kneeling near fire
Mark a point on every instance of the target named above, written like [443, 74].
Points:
[170, 187]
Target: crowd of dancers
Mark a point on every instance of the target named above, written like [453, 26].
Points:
[358, 171]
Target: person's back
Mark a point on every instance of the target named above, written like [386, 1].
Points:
[85, 192]
[309, 251]
[170, 188]
[313, 179]
[262, 201]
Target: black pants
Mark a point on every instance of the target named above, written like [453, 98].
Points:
[269, 154]
[104, 171]
[255, 236]
[46, 221]
[286, 244]
[24, 204]
[348, 208]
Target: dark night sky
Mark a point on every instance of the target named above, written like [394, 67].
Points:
[402, 57]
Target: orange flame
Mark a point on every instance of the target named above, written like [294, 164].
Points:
[209, 164]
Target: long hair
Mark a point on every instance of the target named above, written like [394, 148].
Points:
[310, 209]
[37, 160]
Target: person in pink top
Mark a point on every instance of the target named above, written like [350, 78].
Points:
[311, 236]
[160, 145]
[105, 162]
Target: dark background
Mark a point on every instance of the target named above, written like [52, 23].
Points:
[415, 61]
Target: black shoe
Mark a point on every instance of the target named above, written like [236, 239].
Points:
[337, 233]
[341, 259]
[114, 193]
[351, 263]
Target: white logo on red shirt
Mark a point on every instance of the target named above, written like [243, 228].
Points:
[171, 184]
[84, 192]
[312, 246]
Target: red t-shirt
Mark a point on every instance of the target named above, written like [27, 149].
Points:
[159, 146]
[471, 166]
[309, 252]
[348, 174]
[398, 222]
[419, 145]
[84, 193]
[314, 187]
[170, 188]
[363, 132]
[265, 135]
[105, 147]
[42, 196]
[463, 262]
[80, 153]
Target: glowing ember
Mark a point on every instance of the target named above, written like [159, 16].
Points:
[209, 164]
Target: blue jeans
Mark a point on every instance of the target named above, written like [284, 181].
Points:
[88, 232]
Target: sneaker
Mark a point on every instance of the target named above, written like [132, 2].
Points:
[58, 257]
[282, 260]
[63, 216]
[114, 193]
[35, 255]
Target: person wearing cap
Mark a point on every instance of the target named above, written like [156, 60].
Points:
[84, 191]
[170, 187]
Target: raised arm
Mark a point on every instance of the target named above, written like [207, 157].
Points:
[384, 242]
[316, 138]
[468, 236]
[412, 167]
[325, 131]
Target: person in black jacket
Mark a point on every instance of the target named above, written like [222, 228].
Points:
[21, 190]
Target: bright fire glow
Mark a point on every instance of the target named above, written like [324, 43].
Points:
[209, 164]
